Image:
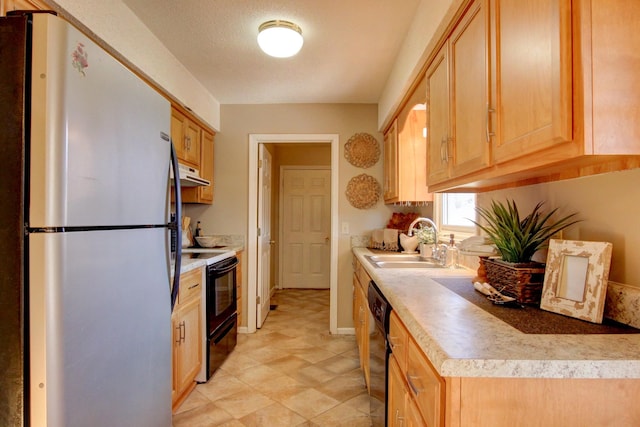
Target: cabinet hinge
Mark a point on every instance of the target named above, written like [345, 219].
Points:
[259, 163]
[259, 232]
[258, 301]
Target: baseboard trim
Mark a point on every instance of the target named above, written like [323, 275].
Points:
[346, 331]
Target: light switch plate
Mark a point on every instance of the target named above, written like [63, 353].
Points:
[345, 228]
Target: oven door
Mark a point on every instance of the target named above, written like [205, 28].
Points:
[221, 343]
[221, 292]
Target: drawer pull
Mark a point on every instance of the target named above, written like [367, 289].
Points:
[410, 380]
[194, 286]
[399, 419]
[392, 344]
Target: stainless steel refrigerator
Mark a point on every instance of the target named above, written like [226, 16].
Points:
[85, 235]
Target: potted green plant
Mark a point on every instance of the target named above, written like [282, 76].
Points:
[426, 236]
[517, 240]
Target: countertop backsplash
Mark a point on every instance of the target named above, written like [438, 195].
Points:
[360, 241]
[231, 239]
[623, 304]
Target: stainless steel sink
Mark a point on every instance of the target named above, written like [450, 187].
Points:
[402, 261]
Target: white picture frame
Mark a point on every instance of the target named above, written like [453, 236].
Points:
[575, 280]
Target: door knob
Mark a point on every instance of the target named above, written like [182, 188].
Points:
[272, 242]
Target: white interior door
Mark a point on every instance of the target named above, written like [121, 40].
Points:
[264, 236]
[306, 227]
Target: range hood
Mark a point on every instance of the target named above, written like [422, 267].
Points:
[190, 177]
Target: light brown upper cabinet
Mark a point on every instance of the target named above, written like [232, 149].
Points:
[405, 152]
[530, 107]
[9, 5]
[202, 194]
[457, 99]
[438, 117]
[185, 134]
[194, 147]
[391, 163]
[528, 91]
[206, 166]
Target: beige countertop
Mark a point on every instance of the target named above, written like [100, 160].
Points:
[217, 249]
[187, 263]
[462, 340]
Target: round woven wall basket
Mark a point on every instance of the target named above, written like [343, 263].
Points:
[363, 191]
[362, 150]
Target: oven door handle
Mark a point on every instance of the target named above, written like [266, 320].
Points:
[223, 270]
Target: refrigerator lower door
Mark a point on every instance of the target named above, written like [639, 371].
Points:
[100, 329]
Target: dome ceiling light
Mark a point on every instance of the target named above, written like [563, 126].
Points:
[280, 39]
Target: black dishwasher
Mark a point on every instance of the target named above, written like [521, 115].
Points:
[379, 309]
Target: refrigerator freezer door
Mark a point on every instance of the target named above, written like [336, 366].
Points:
[100, 323]
[97, 156]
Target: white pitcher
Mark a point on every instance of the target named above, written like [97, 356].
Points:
[409, 244]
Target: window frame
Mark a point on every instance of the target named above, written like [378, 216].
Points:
[460, 232]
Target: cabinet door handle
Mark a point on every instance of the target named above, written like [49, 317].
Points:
[489, 133]
[399, 419]
[179, 330]
[410, 380]
[444, 150]
[183, 331]
[194, 286]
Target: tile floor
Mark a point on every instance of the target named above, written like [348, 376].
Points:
[292, 372]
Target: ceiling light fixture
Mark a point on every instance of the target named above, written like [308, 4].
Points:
[280, 39]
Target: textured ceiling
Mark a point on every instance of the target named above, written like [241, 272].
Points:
[349, 46]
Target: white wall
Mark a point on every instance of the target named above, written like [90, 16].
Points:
[415, 48]
[120, 28]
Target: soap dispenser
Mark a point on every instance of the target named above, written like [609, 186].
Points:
[453, 254]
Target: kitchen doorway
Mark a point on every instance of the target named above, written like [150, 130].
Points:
[253, 232]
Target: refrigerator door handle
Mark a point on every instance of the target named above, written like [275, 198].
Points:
[176, 223]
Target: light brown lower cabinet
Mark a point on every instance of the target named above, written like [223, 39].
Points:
[416, 391]
[419, 396]
[361, 316]
[239, 286]
[397, 396]
[402, 410]
[187, 336]
[553, 402]
[361, 322]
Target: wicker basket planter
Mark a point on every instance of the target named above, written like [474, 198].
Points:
[521, 281]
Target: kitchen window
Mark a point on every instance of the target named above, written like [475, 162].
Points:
[453, 213]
